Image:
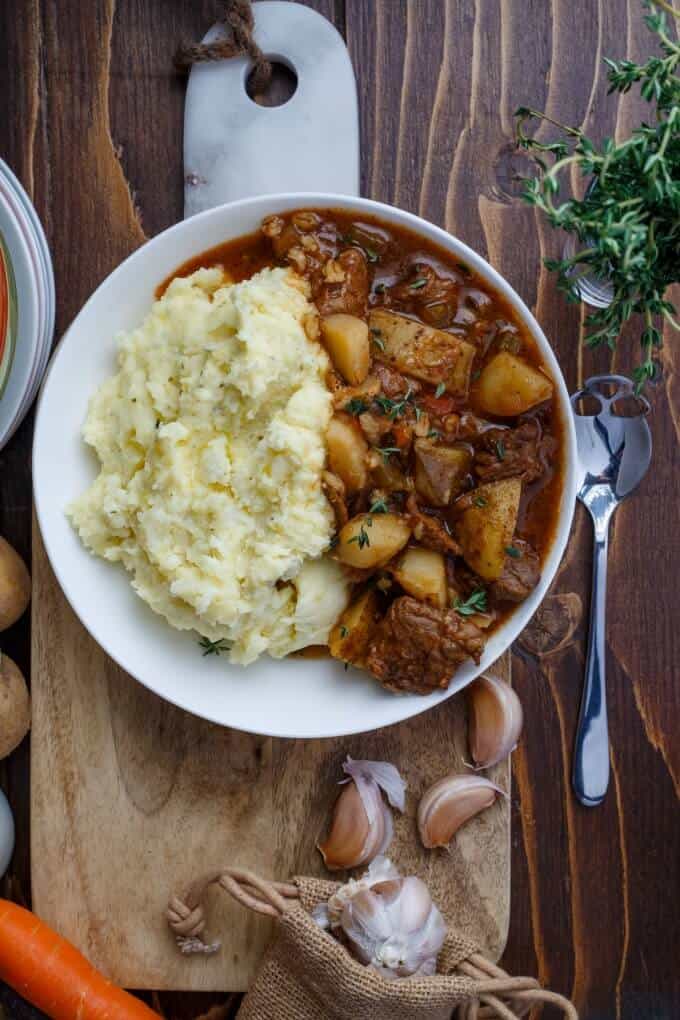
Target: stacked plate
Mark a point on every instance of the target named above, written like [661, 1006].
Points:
[26, 303]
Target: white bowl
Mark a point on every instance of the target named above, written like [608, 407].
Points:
[14, 192]
[29, 322]
[286, 698]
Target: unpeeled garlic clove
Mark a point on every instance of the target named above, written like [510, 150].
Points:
[495, 720]
[449, 803]
[362, 824]
[353, 838]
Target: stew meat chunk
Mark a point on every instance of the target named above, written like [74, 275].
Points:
[345, 285]
[509, 452]
[521, 574]
[443, 421]
[418, 648]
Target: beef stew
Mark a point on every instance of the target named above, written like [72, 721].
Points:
[445, 451]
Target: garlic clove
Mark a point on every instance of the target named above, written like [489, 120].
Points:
[495, 720]
[362, 825]
[414, 905]
[368, 912]
[353, 839]
[451, 802]
[380, 869]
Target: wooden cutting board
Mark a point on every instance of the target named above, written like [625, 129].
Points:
[133, 798]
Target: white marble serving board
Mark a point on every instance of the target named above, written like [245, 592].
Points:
[235, 148]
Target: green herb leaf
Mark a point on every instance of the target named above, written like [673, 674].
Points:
[500, 449]
[378, 506]
[379, 342]
[513, 551]
[387, 451]
[475, 603]
[441, 390]
[419, 283]
[395, 408]
[362, 538]
[480, 501]
[213, 647]
[356, 406]
[370, 253]
[379, 288]
[343, 631]
[433, 434]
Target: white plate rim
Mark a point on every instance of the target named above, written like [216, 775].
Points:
[396, 709]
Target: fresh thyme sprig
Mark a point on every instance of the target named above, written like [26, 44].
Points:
[378, 506]
[628, 223]
[213, 647]
[396, 408]
[362, 538]
[386, 452]
[475, 603]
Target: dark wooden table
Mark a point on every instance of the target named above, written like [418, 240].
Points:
[91, 120]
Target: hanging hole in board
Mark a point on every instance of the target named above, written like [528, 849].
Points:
[629, 406]
[281, 88]
[587, 406]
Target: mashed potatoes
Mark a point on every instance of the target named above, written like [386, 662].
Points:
[211, 443]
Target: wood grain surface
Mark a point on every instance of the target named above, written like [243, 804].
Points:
[595, 892]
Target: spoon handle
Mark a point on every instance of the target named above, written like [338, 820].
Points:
[591, 754]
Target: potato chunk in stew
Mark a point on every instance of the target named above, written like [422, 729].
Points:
[345, 337]
[422, 573]
[371, 540]
[509, 386]
[349, 638]
[486, 528]
[347, 452]
[425, 353]
[439, 470]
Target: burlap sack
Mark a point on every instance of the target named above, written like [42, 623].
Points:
[306, 974]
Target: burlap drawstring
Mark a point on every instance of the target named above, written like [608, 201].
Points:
[491, 994]
[238, 18]
[187, 918]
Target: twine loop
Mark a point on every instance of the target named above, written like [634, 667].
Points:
[238, 41]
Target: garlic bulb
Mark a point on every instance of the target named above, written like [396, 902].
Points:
[451, 802]
[362, 824]
[388, 922]
[495, 720]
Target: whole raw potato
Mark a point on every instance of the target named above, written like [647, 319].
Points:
[15, 706]
[15, 585]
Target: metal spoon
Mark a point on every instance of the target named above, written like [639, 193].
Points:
[614, 453]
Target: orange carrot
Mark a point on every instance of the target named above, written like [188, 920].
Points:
[51, 974]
